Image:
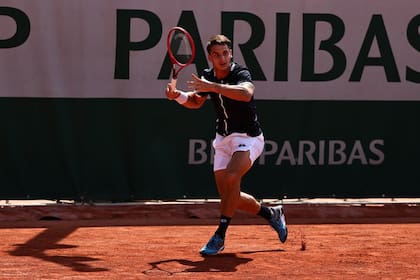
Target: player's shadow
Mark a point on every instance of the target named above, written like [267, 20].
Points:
[219, 263]
[48, 240]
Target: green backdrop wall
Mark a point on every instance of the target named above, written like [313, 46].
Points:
[132, 149]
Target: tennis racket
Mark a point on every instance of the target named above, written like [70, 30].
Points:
[181, 50]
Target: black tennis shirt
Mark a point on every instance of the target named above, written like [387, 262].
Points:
[233, 115]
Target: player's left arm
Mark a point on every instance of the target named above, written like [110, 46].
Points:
[191, 99]
[243, 91]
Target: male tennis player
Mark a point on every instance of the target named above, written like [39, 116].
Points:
[239, 139]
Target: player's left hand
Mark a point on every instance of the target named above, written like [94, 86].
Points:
[200, 84]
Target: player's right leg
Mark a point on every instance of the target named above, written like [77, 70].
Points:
[248, 203]
[274, 215]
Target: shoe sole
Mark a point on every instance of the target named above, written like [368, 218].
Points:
[212, 254]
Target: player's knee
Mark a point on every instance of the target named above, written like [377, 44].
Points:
[231, 178]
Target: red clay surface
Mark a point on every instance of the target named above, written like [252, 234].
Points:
[125, 249]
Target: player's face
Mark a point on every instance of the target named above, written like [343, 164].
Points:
[220, 56]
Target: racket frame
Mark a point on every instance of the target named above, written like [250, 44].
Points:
[174, 61]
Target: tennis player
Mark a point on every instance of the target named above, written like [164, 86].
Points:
[239, 138]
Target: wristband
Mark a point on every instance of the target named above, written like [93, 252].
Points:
[182, 98]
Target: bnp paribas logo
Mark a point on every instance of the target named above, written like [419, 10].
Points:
[331, 152]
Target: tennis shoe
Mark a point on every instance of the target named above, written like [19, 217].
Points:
[215, 245]
[278, 222]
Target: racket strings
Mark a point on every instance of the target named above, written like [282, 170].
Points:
[181, 47]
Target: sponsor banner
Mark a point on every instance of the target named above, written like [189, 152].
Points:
[295, 49]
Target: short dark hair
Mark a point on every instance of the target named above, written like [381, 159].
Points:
[218, 40]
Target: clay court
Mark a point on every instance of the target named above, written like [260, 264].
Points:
[98, 242]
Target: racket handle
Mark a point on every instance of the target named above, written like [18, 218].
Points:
[173, 83]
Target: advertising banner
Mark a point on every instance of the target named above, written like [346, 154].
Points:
[296, 50]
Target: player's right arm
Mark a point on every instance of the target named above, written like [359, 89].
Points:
[188, 99]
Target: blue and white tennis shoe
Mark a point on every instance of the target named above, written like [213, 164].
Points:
[278, 222]
[215, 245]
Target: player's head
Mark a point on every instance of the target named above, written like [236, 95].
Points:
[219, 49]
[218, 40]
